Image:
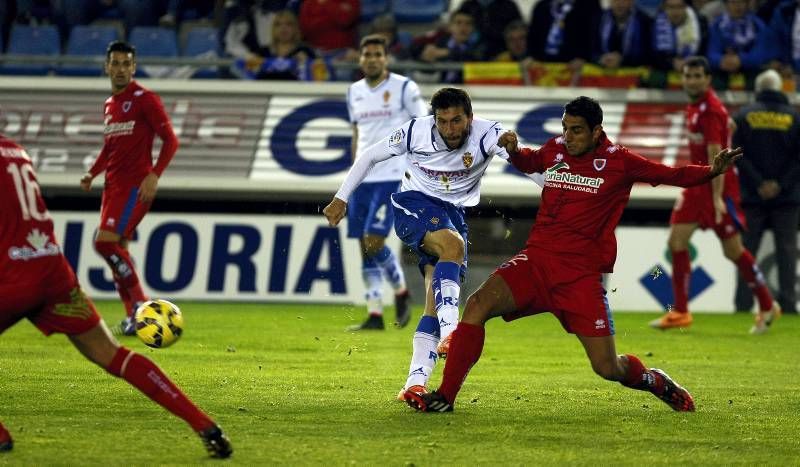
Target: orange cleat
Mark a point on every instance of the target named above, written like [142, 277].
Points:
[415, 389]
[672, 319]
[444, 347]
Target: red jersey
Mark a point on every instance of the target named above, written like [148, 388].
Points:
[132, 118]
[583, 197]
[26, 228]
[707, 123]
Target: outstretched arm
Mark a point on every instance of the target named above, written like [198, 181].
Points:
[644, 170]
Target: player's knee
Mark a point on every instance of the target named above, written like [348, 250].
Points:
[477, 308]
[453, 248]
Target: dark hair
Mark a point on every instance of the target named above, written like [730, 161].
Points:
[587, 108]
[374, 39]
[697, 61]
[120, 46]
[446, 98]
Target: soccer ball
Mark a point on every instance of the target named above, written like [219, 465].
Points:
[159, 323]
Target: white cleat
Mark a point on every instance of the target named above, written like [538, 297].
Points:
[764, 319]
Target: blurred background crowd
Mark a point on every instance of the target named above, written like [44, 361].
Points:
[643, 42]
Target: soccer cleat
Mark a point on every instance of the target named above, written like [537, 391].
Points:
[764, 319]
[416, 389]
[6, 443]
[373, 323]
[672, 319]
[217, 444]
[126, 327]
[444, 347]
[402, 309]
[673, 394]
[428, 402]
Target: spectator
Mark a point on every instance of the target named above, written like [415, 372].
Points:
[491, 18]
[769, 132]
[399, 47]
[516, 38]
[678, 33]
[248, 28]
[623, 36]
[457, 43]
[287, 55]
[330, 26]
[648, 7]
[783, 24]
[738, 41]
[559, 30]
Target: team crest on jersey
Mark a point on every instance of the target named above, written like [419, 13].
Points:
[397, 137]
[126, 106]
[435, 220]
[386, 96]
[467, 159]
[599, 164]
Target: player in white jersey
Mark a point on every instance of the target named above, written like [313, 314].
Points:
[377, 104]
[446, 154]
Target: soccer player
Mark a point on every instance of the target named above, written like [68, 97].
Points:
[445, 155]
[37, 283]
[133, 116]
[588, 180]
[377, 104]
[713, 205]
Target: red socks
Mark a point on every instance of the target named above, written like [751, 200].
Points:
[118, 258]
[640, 378]
[145, 376]
[755, 280]
[681, 273]
[466, 345]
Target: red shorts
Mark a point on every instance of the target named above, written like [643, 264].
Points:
[49, 296]
[696, 208]
[542, 283]
[121, 210]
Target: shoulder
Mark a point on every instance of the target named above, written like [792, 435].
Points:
[480, 126]
[356, 87]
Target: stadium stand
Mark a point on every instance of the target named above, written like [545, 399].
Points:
[202, 42]
[418, 11]
[87, 41]
[153, 42]
[372, 8]
[32, 40]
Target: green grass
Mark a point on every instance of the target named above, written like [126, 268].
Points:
[291, 387]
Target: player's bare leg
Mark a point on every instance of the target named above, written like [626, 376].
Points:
[425, 342]
[678, 315]
[769, 309]
[114, 250]
[100, 347]
[493, 298]
[629, 371]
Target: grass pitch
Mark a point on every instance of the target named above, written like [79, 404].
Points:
[290, 386]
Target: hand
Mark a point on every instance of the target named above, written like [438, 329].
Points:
[334, 211]
[509, 141]
[86, 182]
[724, 159]
[769, 189]
[719, 210]
[148, 187]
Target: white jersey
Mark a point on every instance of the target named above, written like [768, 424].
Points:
[379, 110]
[431, 168]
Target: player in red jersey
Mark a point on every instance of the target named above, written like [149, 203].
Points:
[133, 116]
[713, 205]
[588, 180]
[37, 283]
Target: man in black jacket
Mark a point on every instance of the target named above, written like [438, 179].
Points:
[769, 132]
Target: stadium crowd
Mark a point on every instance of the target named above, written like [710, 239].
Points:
[306, 39]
